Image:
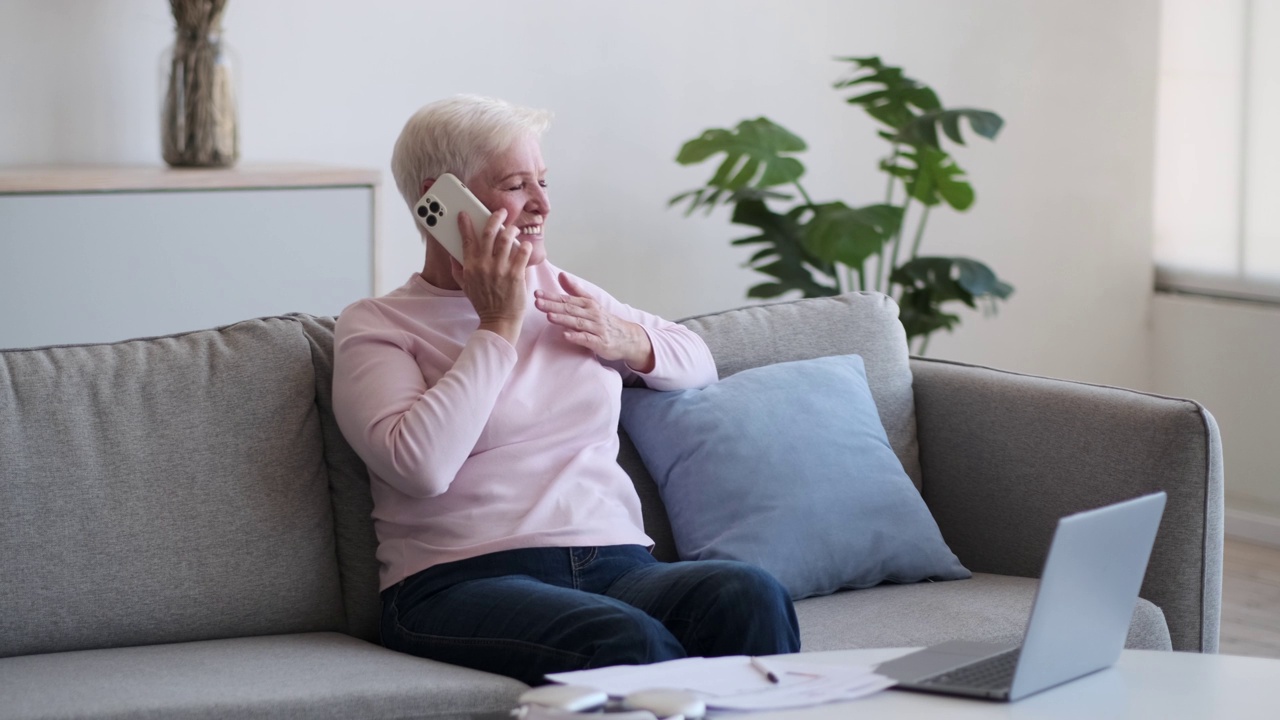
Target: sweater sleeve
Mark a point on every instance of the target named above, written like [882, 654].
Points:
[682, 359]
[413, 431]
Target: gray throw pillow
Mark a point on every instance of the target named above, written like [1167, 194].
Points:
[788, 467]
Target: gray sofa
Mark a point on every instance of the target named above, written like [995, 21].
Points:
[184, 533]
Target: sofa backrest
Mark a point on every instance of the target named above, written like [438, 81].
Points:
[165, 490]
[865, 323]
[197, 486]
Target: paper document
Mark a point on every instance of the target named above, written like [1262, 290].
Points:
[732, 683]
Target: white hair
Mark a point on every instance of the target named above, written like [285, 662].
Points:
[458, 135]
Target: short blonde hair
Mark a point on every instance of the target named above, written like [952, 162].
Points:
[458, 135]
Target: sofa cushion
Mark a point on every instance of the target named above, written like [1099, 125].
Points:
[357, 543]
[985, 608]
[164, 490]
[787, 467]
[865, 323]
[313, 675]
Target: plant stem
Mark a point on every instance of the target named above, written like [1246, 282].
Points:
[915, 246]
[897, 242]
[923, 345]
[888, 200]
[807, 200]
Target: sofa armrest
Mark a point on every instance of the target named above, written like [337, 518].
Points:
[1004, 455]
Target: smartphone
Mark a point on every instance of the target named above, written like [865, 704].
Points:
[439, 208]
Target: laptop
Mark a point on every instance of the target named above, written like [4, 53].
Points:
[1078, 623]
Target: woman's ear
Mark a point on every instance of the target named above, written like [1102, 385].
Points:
[426, 185]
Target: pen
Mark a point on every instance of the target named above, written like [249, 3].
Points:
[764, 670]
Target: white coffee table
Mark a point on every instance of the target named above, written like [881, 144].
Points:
[1143, 684]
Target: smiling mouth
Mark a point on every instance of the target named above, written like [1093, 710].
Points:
[531, 230]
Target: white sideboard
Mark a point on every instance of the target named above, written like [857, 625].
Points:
[100, 254]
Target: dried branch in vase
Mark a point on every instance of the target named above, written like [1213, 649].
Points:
[198, 125]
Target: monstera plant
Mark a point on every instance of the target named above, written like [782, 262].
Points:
[826, 248]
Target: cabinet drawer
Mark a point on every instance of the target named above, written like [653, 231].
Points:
[102, 267]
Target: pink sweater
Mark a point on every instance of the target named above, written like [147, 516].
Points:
[474, 446]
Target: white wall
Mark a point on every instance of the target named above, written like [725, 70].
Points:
[1226, 355]
[1064, 195]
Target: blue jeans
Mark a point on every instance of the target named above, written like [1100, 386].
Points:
[525, 613]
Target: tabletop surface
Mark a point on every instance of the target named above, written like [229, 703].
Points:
[1142, 684]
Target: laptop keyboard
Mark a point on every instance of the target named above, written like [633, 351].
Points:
[993, 673]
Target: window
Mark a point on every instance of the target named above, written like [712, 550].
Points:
[1217, 174]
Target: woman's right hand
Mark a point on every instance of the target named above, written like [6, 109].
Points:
[493, 274]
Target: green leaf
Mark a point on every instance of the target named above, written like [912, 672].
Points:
[981, 280]
[932, 277]
[951, 126]
[924, 97]
[870, 98]
[986, 124]
[947, 177]
[886, 217]
[932, 177]
[929, 282]
[784, 257]
[724, 171]
[751, 193]
[744, 174]
[899, 99]
[754, 156]
[923, 130]
[839, 233]
[975, 277]
[682, 196]
[764, 291]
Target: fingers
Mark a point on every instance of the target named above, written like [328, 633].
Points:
[567, 306]
[496, 242]
[494, 223]
[507, 245]
[571, 286]
[578, 295]
[581, 313]
[473, 244]
[468, 233]
[521, 252]
[575, 322]
[594, 343]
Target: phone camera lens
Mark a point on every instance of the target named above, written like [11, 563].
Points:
[435, 207]
[422, 211]
[431, 220]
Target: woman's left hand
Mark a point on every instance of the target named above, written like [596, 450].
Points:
[591, 326]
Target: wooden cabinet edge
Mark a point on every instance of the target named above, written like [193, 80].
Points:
[92, 179]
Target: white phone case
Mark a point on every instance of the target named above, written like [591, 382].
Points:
[439, 208]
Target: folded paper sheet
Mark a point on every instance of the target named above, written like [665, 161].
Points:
[731, 683]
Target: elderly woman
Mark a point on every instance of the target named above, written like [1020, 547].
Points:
[484, 398]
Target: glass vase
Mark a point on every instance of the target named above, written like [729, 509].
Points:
[198, 126]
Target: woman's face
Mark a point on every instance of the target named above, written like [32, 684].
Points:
[516, 180]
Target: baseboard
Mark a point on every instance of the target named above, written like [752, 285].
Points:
[1252, 527]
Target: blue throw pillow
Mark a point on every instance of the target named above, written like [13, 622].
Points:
[788, 467]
